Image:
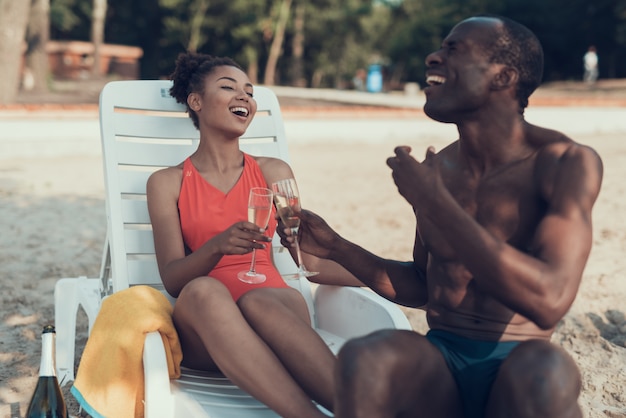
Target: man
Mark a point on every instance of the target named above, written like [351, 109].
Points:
[503, 235]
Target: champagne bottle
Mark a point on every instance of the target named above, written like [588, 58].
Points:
[47, 400]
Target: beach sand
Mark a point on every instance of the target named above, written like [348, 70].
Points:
[52, 219]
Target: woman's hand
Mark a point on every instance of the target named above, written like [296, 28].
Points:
[241, 238]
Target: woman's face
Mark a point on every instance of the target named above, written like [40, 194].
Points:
[227, 103]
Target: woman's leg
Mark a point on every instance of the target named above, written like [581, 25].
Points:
[209, 321]
[281, 318]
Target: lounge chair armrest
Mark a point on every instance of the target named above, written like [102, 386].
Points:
[351, 312]
[159, 402]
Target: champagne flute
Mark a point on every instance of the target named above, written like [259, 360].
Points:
[259, 211]
[287, 199]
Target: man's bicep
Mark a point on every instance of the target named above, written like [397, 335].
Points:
[563, 241]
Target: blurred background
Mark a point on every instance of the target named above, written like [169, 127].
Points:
[369, 45]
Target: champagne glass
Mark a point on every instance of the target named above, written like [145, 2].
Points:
[259, 211]
[287, 199]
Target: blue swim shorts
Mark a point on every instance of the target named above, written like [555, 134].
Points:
[474, 365]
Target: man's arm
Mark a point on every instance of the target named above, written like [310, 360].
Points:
[541, 284]
[400, 282]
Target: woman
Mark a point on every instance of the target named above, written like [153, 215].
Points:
[258, 335]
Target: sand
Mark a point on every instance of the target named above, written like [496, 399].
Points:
[52, 220]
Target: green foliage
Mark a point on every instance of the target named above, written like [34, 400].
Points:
[70, 18]
[337, 43]
[341, 36]
[61, 15]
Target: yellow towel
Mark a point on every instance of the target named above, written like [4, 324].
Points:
[110, 382]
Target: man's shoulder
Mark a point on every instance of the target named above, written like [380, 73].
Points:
[551, 142]
[567, 160]
[560, 145]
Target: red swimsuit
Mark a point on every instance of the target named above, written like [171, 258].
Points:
[206, 211]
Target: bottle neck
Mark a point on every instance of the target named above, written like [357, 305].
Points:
[46, 368]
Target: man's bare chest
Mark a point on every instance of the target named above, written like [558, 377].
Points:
[506, 203]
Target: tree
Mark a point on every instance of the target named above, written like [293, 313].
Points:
[187, 22]
[145, 18]
[336, 42]
[13, 21]
[326, 41]
[198, 13]
[97, 34]
[37, 36]
[277, 42]
[248, 34]
[297, 46]
[70, 19]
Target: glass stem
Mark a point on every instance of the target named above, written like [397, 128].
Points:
[252, 264]
[294, 231]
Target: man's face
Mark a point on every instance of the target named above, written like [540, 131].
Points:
[459, 73]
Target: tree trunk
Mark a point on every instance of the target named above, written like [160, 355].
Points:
[97, 34]
[277, 43]
[37, 36]
[297, 71]
[198, 15]
[13, 21]
[252, 57]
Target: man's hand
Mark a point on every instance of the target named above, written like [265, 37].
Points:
[314, 235]
[414, 179]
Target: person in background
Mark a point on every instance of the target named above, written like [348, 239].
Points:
[503, 233]
[590, 65]
[359, 80]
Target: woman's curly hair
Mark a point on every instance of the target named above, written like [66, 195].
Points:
[189, 75]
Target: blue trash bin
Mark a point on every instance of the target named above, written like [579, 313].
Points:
[374, 78]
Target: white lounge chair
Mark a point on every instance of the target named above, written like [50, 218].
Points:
[143, 129]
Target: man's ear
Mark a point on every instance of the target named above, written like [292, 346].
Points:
[194, 102]
[505, 78]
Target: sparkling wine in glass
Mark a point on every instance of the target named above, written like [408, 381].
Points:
[259, 211]
[287, 200]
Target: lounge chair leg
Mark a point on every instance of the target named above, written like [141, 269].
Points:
[69, 294]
